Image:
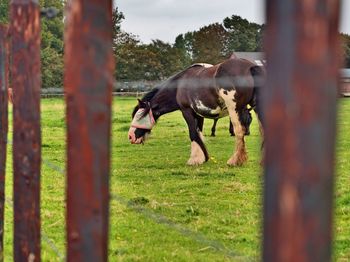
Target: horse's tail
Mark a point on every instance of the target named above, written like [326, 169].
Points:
[259, 76]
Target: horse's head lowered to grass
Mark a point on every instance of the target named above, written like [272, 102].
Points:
[157, 102]
[142, 122]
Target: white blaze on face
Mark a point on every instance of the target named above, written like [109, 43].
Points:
[143, 121]
[131, 135]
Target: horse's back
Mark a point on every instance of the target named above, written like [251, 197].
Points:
[197, 90]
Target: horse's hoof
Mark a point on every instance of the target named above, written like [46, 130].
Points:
[195, 162]
[234, 163]
[197, 156]
[237, 161]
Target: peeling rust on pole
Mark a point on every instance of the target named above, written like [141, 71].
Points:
[3, 126]
[26, 83]
[88, 86]
[299, 103]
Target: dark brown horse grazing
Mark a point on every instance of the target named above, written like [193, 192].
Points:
[203, 91]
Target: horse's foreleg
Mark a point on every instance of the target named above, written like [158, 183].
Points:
[199, 153]
[200, 123]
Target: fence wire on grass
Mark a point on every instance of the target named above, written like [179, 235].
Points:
[154, 217]
[46, 239]
[160, 219]
[196, 236]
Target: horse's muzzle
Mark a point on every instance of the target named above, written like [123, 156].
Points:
[132, 137]
[136, 141]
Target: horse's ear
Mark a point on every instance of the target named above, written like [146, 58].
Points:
[140, 103]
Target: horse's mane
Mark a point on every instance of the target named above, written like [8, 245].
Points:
[148, 96]
[168, 83]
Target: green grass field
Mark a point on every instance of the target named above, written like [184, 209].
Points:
[163, 210]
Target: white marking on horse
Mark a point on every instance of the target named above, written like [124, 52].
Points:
[228, 97]
[240, 154]
[201, 107]
[230, 101]
[203, 64]
[197, 156]
[259, 63]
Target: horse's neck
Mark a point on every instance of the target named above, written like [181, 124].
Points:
[166, 100]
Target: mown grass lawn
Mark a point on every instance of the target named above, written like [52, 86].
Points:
[206, 213]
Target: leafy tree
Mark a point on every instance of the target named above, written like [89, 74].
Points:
[146, 64]
[127, 51]
[346, 49]
[117, 18]
[51, 68]
[4, 8]
[168, 57]
[51, 42]
[210, 44]
[244, 35]
[137, 61]
[183, 45]
[260, 39]
[52, 45]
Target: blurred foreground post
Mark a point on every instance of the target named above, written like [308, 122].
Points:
[26, 84]
[299, 103]
[3, 126]
[89, 71]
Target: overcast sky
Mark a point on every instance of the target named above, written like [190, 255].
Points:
[166, 19]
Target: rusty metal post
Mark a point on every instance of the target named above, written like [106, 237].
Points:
[299, 103]
[89, 69]
[3, 126]
[26, 83]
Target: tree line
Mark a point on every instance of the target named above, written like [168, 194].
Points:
[51, 42]
[157, 60]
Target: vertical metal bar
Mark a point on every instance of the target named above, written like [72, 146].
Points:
[3, 127]
[88, 86]
[299, 103]
[26, 83]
